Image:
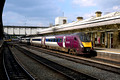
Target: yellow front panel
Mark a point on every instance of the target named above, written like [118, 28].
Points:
[87, 44]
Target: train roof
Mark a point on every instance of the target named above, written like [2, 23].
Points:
[78, 33]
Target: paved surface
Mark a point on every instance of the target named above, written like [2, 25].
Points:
[93, 71]
[107, 50]
[107, 53]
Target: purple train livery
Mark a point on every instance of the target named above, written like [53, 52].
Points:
[77, 43]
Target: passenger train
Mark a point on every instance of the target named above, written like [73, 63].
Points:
[77, 43]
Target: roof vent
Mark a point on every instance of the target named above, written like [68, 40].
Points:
[98, 13]
[60, 20]
[79, 18]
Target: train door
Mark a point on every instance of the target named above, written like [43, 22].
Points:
[68, 42]
[43, 41]
[64, 41]
[75, 43]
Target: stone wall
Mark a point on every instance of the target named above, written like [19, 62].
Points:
[108, 30]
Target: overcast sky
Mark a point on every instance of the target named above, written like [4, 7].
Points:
[44, 12]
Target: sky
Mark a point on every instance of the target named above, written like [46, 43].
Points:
[43, 12]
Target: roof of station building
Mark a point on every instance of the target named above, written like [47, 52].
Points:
[25, 26]
[110, 18]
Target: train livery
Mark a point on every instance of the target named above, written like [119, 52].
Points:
[77, 43]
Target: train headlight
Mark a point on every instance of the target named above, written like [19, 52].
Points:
[81, 45]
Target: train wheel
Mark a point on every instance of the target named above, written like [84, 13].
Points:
[72, 51]
[69, 51]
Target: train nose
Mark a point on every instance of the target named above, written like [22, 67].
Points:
[87, 44]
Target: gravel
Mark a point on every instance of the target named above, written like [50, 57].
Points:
[100, 74]
[37, 70]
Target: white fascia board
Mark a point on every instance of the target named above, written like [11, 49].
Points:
[84, 24]
[49, 37]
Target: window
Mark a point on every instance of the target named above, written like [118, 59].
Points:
[47, 40]
[50, 40]
[103, 38]
[56, 40]
[53, 40]
[75, 38]
[59, 40]
[64, 21]
[36, 39]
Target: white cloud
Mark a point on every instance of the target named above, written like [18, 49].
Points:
[84, 2]
[12, 18]
[61, 0]
[88, 15]
[116, 8]
[43, 12]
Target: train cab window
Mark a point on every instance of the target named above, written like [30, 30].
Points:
[75, 38]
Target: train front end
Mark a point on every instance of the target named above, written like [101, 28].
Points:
[85, 43]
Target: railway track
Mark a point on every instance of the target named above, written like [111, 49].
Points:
[13, 70]
[95, 62]
[2, 72]
[71, 74]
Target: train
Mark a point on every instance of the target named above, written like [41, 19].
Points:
[8, 40]
[76, 43]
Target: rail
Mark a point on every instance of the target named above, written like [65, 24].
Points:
[91, 62]
[71, 74]
[12, 68]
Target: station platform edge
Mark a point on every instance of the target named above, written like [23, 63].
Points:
[108, 53]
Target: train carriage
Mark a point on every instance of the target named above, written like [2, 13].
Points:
[37, 41]
[77, 43]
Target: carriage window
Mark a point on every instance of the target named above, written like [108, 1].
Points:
[50, 40]
[75, 38]
[60, 40]
[56, 40]
[47, 40]
[53, 40]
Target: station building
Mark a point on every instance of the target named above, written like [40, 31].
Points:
[104, 31]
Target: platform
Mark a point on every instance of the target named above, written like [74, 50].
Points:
[111, 54]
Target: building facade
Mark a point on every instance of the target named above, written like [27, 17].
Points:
[104, 31]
